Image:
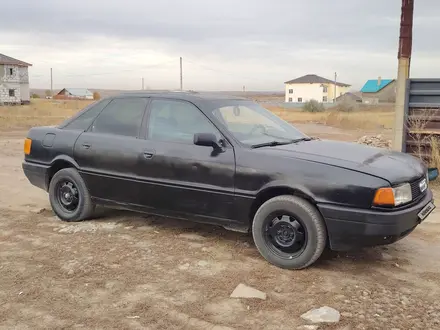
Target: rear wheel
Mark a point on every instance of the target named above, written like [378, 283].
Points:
[289, 232]
[69, 196]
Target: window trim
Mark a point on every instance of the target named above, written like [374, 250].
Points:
[139, 133]
[83, 111]
[147, 115]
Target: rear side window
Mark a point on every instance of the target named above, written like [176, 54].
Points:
[84, 121]
[121, 117]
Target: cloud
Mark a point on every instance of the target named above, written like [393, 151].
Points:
[225, 44]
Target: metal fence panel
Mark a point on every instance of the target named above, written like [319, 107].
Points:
[422, 117]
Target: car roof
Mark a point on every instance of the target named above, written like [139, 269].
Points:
[182, 95]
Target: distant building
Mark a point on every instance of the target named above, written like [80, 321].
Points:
[14, 81]
[355, 97]
[75, 93]
[379, 90]
[313, 87]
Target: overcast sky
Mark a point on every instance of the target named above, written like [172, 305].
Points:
[225, 44]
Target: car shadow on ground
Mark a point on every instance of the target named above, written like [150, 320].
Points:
[359, 260]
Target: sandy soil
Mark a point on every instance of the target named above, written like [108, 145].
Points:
[129, 271]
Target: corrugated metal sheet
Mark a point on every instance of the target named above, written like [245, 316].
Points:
[422, 116]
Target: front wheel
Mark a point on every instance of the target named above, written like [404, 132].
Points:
[69, 196]
[289, 232]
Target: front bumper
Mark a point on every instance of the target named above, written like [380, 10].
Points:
[350, 228]
[37, 174]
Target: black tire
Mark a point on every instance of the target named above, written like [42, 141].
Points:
[84, 207]
[267, 223]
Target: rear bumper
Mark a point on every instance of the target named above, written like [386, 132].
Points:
[37, 174]
[350, 228]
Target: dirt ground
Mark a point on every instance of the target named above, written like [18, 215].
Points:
[129, 271]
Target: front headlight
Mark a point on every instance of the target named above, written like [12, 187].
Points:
[393, 196]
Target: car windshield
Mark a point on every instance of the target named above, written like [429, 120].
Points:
[252, 124]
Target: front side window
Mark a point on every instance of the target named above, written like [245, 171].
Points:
[11, 92]
[121, 117]
[177, 121]
[290, 91]
[84, 121]
[251, 124]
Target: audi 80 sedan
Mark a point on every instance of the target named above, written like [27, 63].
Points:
[228, 161]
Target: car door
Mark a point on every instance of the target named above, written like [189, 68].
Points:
[109, 152]
[183, 177]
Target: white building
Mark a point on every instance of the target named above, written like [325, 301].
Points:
[313, 87]
[14, 81]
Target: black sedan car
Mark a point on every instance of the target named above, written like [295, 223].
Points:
[228, 161]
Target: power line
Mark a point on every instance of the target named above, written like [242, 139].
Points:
[113, 72]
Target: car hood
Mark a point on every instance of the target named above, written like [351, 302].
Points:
[395, 167]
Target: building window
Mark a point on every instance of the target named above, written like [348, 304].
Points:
[300, 99]
[324, 99]
[11, 71]
[290, 91]
[324, 89]
[12, 93]
[290, 99]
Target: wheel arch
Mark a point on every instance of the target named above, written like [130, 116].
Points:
[277, 189]
[59, 163]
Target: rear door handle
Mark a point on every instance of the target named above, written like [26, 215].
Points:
[148, 154]
[86, 145]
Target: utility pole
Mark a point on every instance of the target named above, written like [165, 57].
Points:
[334, 96]
[181, 75]
[51, 83]
[404, 61]
[142, 83]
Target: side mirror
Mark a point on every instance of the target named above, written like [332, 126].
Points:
[207, 140]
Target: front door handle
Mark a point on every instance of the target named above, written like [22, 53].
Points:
[86, 145]
[148, 154]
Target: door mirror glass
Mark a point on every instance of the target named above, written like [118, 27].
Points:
[206, 140]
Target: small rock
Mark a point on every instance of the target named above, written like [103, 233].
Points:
[192, 237]
[324, 314]
[184, 266]
[346, 314]
[244, 291]
[278, 289]
[38, 210]
[202, 263]
[365, 293]
[386, 257]
[308, 327]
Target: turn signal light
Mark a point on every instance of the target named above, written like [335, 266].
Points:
[384, 196]
[27, 146]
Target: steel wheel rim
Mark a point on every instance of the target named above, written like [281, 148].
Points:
[67, 195]
[285, 235]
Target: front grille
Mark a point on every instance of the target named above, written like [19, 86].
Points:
[415, 189]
